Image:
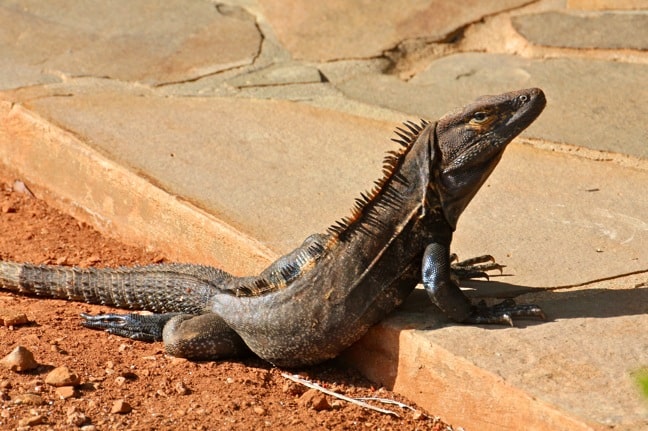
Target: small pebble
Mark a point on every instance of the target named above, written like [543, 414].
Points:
[337, 404]
[91, 260]
[121, 407]
[292, 388]
[32, 421]
[259, 410]
[28, 399]
[20, 359]
[65, 392]
[417, 415]
[181, 388]
[75, 417]
[62, 376]
[7, 208]
[315, 400]
[21, 187]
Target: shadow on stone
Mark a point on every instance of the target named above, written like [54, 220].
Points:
[419, 313]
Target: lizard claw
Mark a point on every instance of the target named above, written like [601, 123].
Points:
[503, 313]
[475, 267]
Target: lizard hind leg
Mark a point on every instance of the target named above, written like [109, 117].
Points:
[202, 337]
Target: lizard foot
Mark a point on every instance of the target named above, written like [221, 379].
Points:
[503, 313]
[134, 326]
[475, 267]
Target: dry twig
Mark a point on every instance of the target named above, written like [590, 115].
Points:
[360, 403]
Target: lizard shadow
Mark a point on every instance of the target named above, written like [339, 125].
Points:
[557, 304]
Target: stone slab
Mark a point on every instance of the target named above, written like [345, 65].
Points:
[573, 372]
[262, 167]
[590, 103]
[118, 40]
[593, 30]
[607, 4]
[334, 30]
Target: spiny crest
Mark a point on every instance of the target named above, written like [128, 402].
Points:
[363, 220]
[283, 274]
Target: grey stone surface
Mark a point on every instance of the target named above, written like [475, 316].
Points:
[13, 75]
[334, 30]
[591, 103]
[264, 167]
[607, 4]
[148, 41]
[555, 219]
[593, 30]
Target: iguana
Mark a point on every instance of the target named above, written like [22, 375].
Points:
[317, 300]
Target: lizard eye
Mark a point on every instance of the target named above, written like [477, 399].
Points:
[479, 117]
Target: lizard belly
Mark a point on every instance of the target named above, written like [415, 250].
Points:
[309, 322]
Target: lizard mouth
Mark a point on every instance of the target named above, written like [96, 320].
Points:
[527, 107]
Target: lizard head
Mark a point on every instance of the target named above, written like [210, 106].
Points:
[470, 141]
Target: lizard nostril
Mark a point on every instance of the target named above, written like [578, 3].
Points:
[523, 98]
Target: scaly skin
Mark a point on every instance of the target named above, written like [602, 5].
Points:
[322, 297]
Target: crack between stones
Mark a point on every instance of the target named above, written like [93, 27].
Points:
[450, 41]
[622, 160]
[284, 84]
[254, 59]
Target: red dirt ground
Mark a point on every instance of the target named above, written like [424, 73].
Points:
[164, 392]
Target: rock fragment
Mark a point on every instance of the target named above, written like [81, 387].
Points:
[31, 421]
[121, 407]
[65, 392]
[20, 359]
[62, 376]
[28, 399]
[76, 417]
[314, 399]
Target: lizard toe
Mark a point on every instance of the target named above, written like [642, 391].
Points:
[503, 313]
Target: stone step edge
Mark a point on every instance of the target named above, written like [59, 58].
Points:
[450, 386]
[77, 179]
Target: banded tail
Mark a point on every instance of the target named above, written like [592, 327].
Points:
[159, 288]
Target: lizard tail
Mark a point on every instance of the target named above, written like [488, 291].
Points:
[158, 288]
